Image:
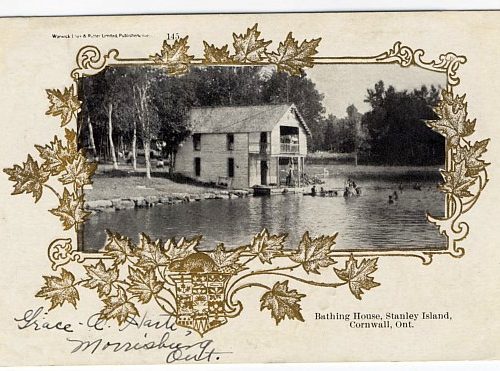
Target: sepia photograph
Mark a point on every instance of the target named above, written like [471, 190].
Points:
[224, 152]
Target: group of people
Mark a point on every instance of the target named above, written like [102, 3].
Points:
[350, 189]
[394, 196]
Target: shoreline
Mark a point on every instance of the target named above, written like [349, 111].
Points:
[172, 198]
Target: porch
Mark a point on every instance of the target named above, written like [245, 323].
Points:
[284, 171]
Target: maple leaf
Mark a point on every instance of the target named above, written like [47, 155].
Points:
[174, 57]
[452, 122]
[182, 248]
[143, 284]
[471, 155]
[51, 156]
[249, 48]
[118, 307]
[267, 246]
[282, 302]
[56, 156]
[79, 171]
[314, 253]
[291, 57]
[70, 210]
[151, 254]
[59, 289]
[64, 104]
[118, 247]
[100, 278]
[29, 178]
[457, 182]
[212, 54]
[357, 276]
[227, 259]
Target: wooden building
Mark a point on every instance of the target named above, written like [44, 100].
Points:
[245, 146]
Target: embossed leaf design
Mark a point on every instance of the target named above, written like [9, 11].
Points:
[282, 302]
[150, 253]
[118, 307]
[182, 248]
[358, 276]
[174, 57]
[29, 178]
[118, 247]
[292, 57]
[79, 171]
[315, 253]
[472, 157]
[212, 54]
[100, 278]
[70, 210]
[143, 284]
[452, 122]
[64, 104]
[457, 181]
[248, 47]
[59, 289]
[57, 156]
[267, 246]
[227, 259]
[50, 154]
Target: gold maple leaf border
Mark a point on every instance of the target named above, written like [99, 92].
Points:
[147, 264]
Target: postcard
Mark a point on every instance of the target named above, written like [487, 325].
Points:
[227, 188]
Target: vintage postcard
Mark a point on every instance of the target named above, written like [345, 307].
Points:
[249, 188]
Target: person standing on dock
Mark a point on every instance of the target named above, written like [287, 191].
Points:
[289, 175]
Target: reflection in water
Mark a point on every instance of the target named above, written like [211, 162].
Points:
[369, 221]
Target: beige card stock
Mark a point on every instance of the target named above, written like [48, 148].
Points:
[249, 188]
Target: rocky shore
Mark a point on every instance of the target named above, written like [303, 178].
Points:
[166, 199]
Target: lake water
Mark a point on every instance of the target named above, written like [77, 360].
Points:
[369, 221]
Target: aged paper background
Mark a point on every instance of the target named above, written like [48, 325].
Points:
[31, 61]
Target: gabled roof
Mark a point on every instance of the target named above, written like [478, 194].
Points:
[240, 119]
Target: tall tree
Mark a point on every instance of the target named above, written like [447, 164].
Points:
[397, 133]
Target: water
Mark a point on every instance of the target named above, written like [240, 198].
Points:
[362, 222]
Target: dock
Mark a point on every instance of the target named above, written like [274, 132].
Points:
[270, 190]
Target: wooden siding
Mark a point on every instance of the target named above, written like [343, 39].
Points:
[214, 157]
[289, 119]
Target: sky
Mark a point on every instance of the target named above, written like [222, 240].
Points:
[343, 85]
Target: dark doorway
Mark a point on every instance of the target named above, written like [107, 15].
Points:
[263, 172]
[230, 167]
[197, 166]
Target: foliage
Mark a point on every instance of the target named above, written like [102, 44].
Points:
[150, 271]
[358, 276]
[396, 132]
[290, 57]
[282, 302]
[63, 163]
[59, 289]
[174, 57]
[453, 123]
[63, 103]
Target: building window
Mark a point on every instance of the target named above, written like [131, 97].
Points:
[197, 166]
[230, 142]
[197, 142]
[230, 167]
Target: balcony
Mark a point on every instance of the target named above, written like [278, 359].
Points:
[259, 147]
[289, 148]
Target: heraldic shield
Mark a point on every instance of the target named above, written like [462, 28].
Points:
[200, 300]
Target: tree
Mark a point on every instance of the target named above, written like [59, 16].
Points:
[396, 132]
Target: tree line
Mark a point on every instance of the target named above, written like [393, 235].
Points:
[393, 132]
[134, 109]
